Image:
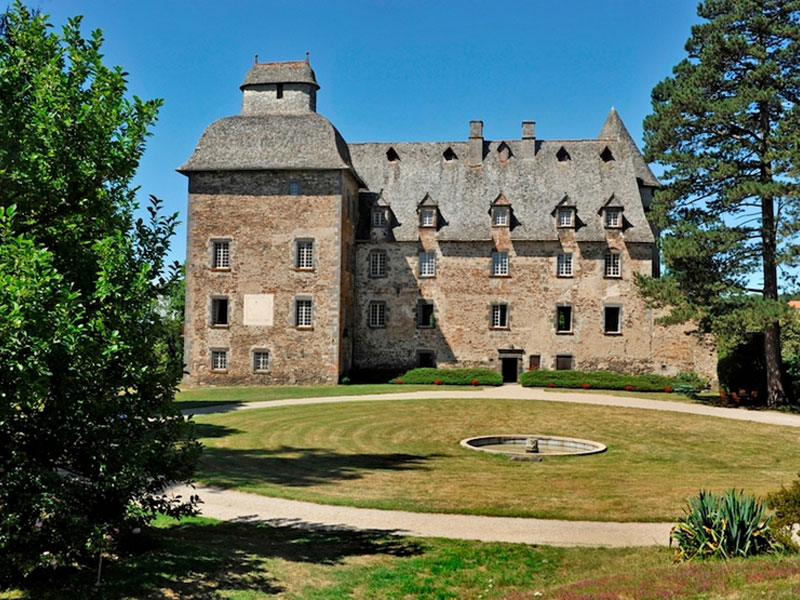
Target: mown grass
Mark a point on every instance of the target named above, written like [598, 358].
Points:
[405, 455]
[212, 396]
[200, 558]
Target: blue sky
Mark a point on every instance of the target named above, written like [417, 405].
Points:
[390, 70]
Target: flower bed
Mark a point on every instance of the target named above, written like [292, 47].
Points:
[606, 380]
[451, 377]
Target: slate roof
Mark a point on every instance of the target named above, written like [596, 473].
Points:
[280, 72]
[532, 187]
[271, 141]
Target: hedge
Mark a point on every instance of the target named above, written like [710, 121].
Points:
[607, 380]
[451, 377]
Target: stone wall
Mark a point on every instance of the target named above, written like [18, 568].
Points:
[263, 224]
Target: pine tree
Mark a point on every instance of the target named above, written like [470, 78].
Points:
[726, 126]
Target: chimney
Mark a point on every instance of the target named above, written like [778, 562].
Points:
[475, 143]
[528, 145]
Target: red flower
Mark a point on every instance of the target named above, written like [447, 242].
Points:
[398, 381]
[474, 382]
[629, 388]
[585, 386]
[551, 384]
[668, 389]
[437, 381]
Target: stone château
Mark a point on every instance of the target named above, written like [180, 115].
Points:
[308, 257]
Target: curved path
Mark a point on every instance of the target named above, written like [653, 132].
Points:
[233, 505]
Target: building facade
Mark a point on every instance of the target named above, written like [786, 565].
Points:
[308, 258]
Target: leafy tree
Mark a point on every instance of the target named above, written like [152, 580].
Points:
[725, 125]
[89, 437]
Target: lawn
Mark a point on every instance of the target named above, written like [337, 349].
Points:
[200, 558]
[404, 454]
[211, 396]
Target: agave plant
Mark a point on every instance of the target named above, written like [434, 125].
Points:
[725, 526]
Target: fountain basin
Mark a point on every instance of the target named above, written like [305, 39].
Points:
[514, 445]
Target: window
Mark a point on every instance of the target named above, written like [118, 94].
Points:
[279, 91]
[260, 361]
[564, 362]
[302, 316]
[564, 264]
[427, 217]
[427, 264]
[611, 319]
[449, 154]
[425, 317]
[219, 311]
[377, 314]
[499, 264]
[219, 360]
[379, 217]
[566, 217]
[221, 255]
[294, 188]
[564, 319]
[606, 155]
[562, 155]
[500, 216]
[499, 316]
[426, 359]
[392, 155]
[377, 263]
[305, 255]
[613, 217]
[612, 264]
[535, 362]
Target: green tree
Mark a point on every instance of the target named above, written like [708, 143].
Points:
[725, 125]
[89, 437]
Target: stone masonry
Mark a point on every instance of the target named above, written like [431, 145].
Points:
[308, 257]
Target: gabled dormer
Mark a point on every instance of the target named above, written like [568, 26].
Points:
[428, 212]
[611, 213]
[565, 213]
[500, 211]
[381, 216]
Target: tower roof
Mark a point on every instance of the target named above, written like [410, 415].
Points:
[298, 71]
[614, 129]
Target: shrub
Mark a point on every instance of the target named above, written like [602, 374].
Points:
[786, 505]
[451, 377]
[606, 380]
[726, 526]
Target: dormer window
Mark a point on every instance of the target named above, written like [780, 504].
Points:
[606, 155]
[427, 217]
[379, 217]
[566, 217]
[613, 218]
[392, 156]
[562, 155]
[449, 154]
[501, 216]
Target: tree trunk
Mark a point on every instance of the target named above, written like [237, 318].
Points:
[772, 341]
[772, 353]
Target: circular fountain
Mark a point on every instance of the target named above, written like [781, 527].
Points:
[532, 447]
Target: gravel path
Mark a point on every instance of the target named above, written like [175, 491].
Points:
[233, 505]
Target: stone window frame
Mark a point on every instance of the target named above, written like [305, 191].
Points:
[218, 359]
[299, 263]
[560, 326]
[426, 264]
[294, 187]
[565, 265]
[612, 264]
[500, 267]
[255, 355]
[560, 357]
[302, 320]
[419, 318]
[428, 217]
[220, 253]
[500, 316]
[378, 267]
[213, 311]
[565, 217]
[376, 314]
[501, 216]
[618, 308]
